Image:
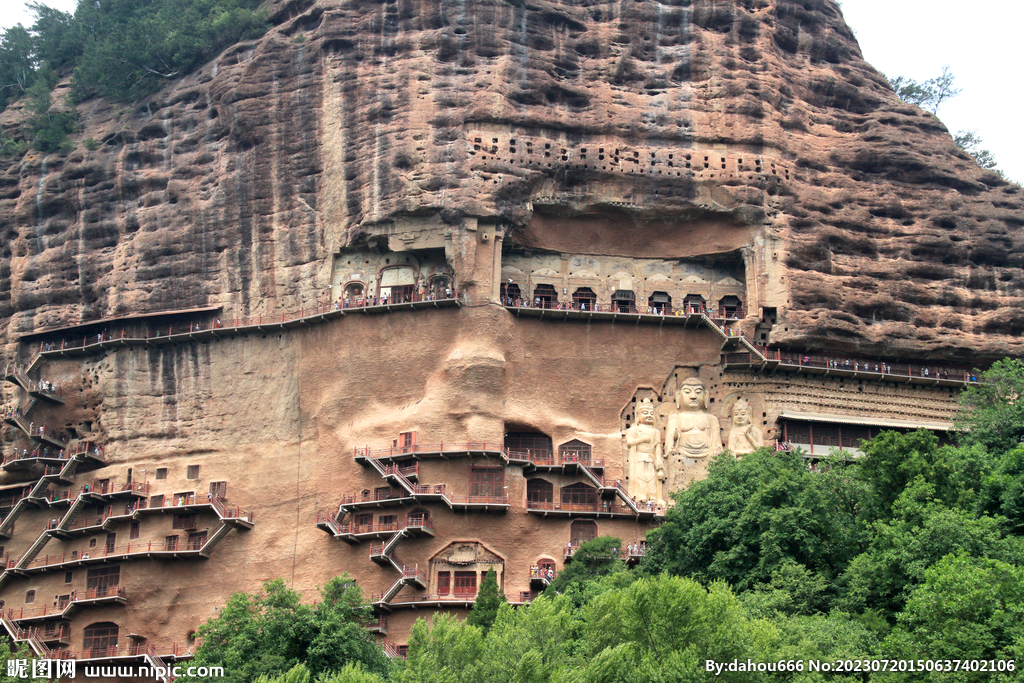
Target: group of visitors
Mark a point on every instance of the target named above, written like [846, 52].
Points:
[881, 368]
[634, 549]
[538, 572]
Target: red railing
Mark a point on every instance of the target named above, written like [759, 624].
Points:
[133, 649]
[91, 594]
[101, 552]
[230, 513]
[542, 573]
[528, 596]
[880, 367]
[653, 309]
[612, 506]
[398, 451]
[229, 324]
[410, 521]
[391, 494]
[433, 597]
[62, 632]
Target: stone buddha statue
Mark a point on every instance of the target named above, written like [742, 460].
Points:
[644, 463]
[744, 437]
[692, 434]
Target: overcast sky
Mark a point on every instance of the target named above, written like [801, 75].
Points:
[914, 38]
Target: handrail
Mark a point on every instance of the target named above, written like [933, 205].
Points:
[412, 449]
[304, 313]
[588, 306]
[20, 613]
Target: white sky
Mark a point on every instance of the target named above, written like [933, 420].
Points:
[913, 38]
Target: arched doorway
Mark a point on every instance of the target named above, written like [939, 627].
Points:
[579, 497]
[354, 291]
[694, 303]
[397, 284]
[100, 639]
[730, 307]
[661, 303]
[545, 296]
[540, 493]
[574, 451]
[441, 287]
[584, 299]
[510, 294]
[581, 531]
[624, 301]
[533, 446]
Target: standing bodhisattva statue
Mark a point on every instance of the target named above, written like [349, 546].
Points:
[744, 437]
[692, 434]
[645, 465]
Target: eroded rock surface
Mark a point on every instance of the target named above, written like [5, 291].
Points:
[671, 128]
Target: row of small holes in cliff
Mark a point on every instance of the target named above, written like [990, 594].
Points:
[691, 163]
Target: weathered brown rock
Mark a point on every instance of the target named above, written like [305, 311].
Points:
[235, 184]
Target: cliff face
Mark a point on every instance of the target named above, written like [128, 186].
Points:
[679, 127]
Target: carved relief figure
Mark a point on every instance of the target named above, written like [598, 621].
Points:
[645, 465]
[692, 434]
[744, 437]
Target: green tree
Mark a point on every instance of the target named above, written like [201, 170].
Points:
[1002, 493]
[132, 49]
[591, 561]
[269, 632]
[49, 125]
[966, 608]
[992, 410]
[17, 64]
[56, 38]
[922, 531]
[928, 94]
[751, 516]
[969, 141]
[488, 600]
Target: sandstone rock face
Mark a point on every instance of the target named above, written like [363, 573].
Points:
[721, 125]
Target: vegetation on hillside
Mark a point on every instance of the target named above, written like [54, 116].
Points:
[913, 552]
[123, 49]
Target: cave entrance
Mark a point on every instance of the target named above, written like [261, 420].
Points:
[661, 303]
[545, 296]
[730, 307]
[584, 299]
[694, 303]
[510, 294]
[624, 301]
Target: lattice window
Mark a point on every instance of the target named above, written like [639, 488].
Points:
[486, 481]
[540, 491]
[579, 494]
[581, 531]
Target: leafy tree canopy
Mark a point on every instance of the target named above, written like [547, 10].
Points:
[268, 633]
[488, 600]
[992, 410]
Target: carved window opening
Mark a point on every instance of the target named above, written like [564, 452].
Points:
[102, 581]
[579, 496]
[111, 542]
[444, 583]
[354, 290]
[100, 639]
[730, 307]
[161, 473]
[661, 302]
[510, 293]
[156, 501]
[187, 521]
[574, 451]
[465, 583]
[407, 442]
[440, 286]
[193, 472]
[418, 517]
[584, 299]
[218, 489]
[694, 303]
[134, 531]
[581, 531]
[546, 563]
[545, 296]
[388, 522]
[487, 481]
[364, 519]
[382, 493]
[197, 540]
[171, 542]
[624, 301]
[539, 491]
[30, 597]
[534, 446]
